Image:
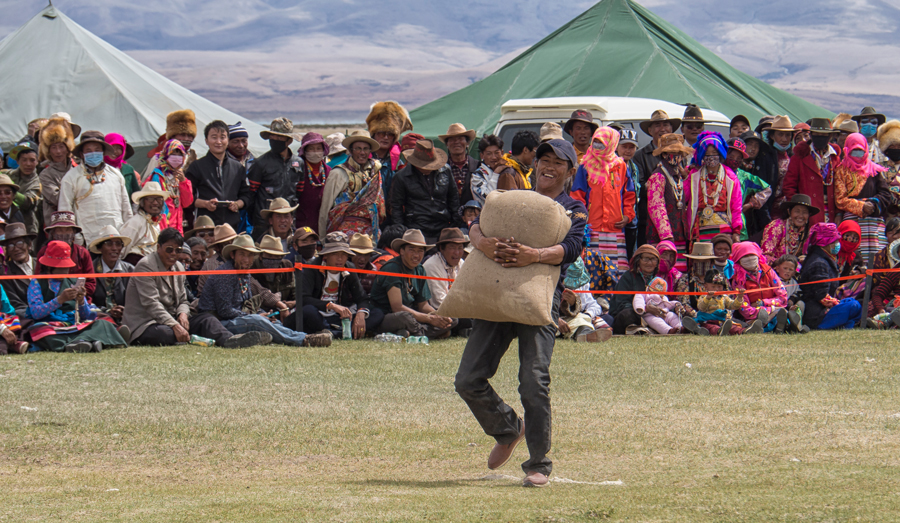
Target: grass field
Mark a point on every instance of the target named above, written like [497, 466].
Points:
[755, 428]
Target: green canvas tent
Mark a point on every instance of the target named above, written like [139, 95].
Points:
[54, 65]
[615, 48]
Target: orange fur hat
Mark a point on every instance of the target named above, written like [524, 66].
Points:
[56, 130]
[388, 117]
[181, 122]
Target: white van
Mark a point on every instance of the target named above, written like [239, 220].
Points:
[531, 113]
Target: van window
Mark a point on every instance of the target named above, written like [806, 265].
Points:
[510, 129]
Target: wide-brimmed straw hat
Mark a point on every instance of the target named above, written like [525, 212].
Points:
[362, 244]
[551, 131]
[271, 245]
[243, 242]
[108, 232]
[14, 231]
[223, 233]
[202, 223]
[799, 199]
[279, 127]
[149, 189]
[93, 137]
[457, 129]
[335, 146]
[336, 242]
[701, 251]
[452, 235]
[6, 181]
[62, 219]
[360, 135]
[410, 237]
[580, 115]
[672, 143]
[659, 116]
[782, 123]
[278, 206]
[426, 156]
[58, 255]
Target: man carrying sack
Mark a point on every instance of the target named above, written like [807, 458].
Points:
[556, 163]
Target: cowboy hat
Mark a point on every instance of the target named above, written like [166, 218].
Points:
[203, 223]
[149, 189]
[271, 245]
[336, 242]
[659, 116]
[242, 242]
[782, 123]
[551, 131]
[360, 135]
[278, 206]
[848, 126]
[820, 125]
[335, 146]
[279, 127]
[799, 199]
[93, 137]
[14, 231]
[62, 219]
[870, 111]
[457, 129]
[410, 237]
[223, 233]
[58, 255]
[5, 180]
[361, 244]
[76, 129]
[693, 114]
[452, 235]
[701, 251]
[107, 233]
[580, 116]
[672, 143]
[425, 156]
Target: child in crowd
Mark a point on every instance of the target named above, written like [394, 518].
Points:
[469, 212]
[667, 321]
[580, 315]
[714, 311]
[786, 267]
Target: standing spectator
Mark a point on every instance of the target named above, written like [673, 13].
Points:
[337, 153]
[755, 190]
[712, 192]
[219, 182]
[493, 173]
[144, 227]
[169, 176]
[386, 122]
[521, 156]
[311, 183]
[354, 200]
[781, 142]
[811, 171]
[28, 196]
[628, 143]
[761, 162]
[461, 164]
[239, 145]
[739, 125]
[93, 191]
[181, 125]
[424, 195]
[122, 151]
[110, 292]
[692, 124]
[62, 228]
[862, 194]
[869, 120]
[646, 160]
[56, 146]
[581, 127]
[34, 129]
[274, 174]
[666, 204]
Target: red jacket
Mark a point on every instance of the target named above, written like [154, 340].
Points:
[803, 177]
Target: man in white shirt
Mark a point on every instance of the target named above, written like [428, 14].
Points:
[446, 264]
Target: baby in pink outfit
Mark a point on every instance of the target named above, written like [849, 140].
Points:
[667, 321]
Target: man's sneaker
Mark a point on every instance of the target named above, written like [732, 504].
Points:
[595, 336]
[691, 325]
[124, 332]
[804, 329]
[781, 318]
[96, 347]
[755, 328]
[726, 328]
[320, 339]
[79, 346]
[248, 339]
[500, 453]
[872, 323]
[535, 479]
[763, 317]
[21, 347]
[794, 318]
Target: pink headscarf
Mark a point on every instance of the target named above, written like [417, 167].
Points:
[115, 139]
[822, 235]
[669, 274]
[599, 162]
[738, 251]
[861, 165]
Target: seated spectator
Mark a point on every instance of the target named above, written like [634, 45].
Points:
[329, 297]
[63, 319]
[787, 268]
[469, 213]
[204, 228]
[10, 328]
[581, 317]
[143, 228]
[363, 250]
[788, 234]
[882, 259]
[109, 295]
[883, 310]
[280, 217]
[385, 252]
[9, 212]
[850, 239]
[229, 298]
[199, 252]
[668, 256]
[17, 247]
[446, 264]
[823, 310]
[493, 173]
[722, 244]
[303, 245]
[423, 194]
[404, 301]
[272, 257]
[185, 256]
[714, 311]
[222, 237]
[62, 228]
[157, 310]
[700, 261]
[766, 296]
[644, 266]
[666, 319]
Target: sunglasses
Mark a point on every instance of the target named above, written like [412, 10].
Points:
[171, 250]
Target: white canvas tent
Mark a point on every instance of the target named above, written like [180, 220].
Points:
[53, 64]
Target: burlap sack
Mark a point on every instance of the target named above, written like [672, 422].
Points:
[484, 289]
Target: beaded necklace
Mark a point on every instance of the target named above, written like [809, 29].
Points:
[316, 174]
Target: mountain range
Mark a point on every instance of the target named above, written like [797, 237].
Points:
[329, 60]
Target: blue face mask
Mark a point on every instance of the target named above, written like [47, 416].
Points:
[857, 153]
[765, 136]
[868, 129]
[836, 248]
[93, 159]
[782, 148]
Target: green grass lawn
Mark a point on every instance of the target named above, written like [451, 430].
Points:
[754, 428]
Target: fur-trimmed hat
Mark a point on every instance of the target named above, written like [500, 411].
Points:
[181, 122]
[56, 130]
[888, 134]
[388, 117]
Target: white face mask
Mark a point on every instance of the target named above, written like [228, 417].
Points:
[314, 157]
[175, 161]
[750, 263]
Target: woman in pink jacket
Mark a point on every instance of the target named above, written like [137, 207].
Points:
[712, 191]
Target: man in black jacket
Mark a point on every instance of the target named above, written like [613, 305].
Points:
[329, 297]
[219, 181]
[461, 165]
[274, 174]
[424, 195]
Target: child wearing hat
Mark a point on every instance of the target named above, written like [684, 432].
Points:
[469, 213]
[668, 321]
[714, 311]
